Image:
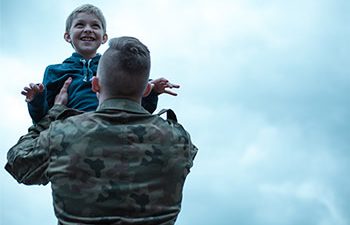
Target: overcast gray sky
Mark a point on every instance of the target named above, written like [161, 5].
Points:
[264, 94]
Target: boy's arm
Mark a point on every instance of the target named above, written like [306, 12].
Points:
[159, 86]
[37, 106]
[162, 85]
[150, 102]
[35, 97]
[39, 95]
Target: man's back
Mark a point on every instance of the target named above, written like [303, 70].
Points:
[119, 164]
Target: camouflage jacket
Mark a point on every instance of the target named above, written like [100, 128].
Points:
[118, 165]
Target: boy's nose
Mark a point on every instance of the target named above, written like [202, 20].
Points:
[88, 29]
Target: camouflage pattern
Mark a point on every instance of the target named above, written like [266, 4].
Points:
[118, 165]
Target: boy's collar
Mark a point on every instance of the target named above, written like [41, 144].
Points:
[77, 55]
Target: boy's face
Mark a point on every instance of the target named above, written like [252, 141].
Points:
[86, 35]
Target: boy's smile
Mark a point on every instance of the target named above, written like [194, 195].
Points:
[86, 35]
[87, 39]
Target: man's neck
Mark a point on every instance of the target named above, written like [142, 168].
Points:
[102, 98]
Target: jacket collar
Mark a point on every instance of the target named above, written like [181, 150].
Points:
[122, 104]
[77, 57]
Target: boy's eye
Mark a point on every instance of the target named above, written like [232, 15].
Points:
[79, 25]
[96, 26]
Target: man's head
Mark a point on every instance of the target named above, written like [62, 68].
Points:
[86, 30]
[123, 70]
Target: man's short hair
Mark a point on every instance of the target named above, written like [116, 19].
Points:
[89, 9]
[125, 66]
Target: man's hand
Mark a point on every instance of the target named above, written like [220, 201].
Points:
[62, 97]
[160, 85]
[31, 91]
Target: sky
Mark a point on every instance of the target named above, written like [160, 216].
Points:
[264, 94]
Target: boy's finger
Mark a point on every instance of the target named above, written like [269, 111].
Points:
[34, 87]
[175, 85]
[170, 85]
[170, 92]
[41, 87]
[28, 99]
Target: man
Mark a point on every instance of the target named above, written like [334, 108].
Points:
[118, 165]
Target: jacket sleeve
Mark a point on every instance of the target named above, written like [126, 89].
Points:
[38, 107]
[28, 160]
[190, 149]
[150, 102]
[182, 135]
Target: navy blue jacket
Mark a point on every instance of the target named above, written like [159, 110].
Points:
[80, 95]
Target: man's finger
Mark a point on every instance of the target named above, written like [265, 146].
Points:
[62, 97]
[66, 85]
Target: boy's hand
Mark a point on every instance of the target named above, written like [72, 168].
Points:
[62, 97]
[31, 91]
[160, 85]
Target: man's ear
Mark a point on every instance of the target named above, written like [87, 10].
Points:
[148, 89]
[95, 84]
[104, 38]
[67, 37]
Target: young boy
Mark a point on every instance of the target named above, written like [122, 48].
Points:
[86, 32]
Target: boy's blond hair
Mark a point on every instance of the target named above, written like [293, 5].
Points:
[86, 8]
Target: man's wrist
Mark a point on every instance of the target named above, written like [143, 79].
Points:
[56, 110]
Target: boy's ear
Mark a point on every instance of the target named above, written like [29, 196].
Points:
[148, 89]
[67, 37]
[104, 38]
[95, 84]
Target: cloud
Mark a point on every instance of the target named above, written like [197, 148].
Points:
[318, 196]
